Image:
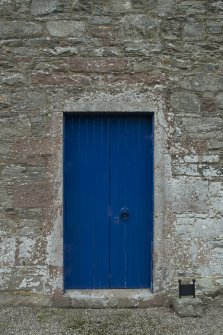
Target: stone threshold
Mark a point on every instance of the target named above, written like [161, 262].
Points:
[113, 298]
[110, 298]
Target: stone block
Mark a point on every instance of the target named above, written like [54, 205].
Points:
[139, 27]
[215, 27]
[207, 228]
[207, 127]
[141, 49]
[19, 29]
[32, 195]
[83, 5]
[22, 6]
[164, 6]
[24, 298]
[29, 101]
[202, 82]
[64, 28]
[185, 102]
[201, 159]
[4, 101]
[12, 79]
[192, 7]
[188, 307]
[187, 195]
[119, 6]
[101, 65]
[185, 169]
[7, 250]
[26, 278]
[42, 7]
[108, 33]
[171, 29]
[6, 7]
[75, 80]
[13, 127]
[100, 20]
[219, 100]
[34, 146]
[193, 31]
[216, 6]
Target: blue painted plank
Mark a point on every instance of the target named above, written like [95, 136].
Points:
[86, 180]
[131, 186]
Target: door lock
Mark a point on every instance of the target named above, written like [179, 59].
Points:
[124, 214]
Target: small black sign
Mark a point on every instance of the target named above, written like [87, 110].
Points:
[186, 289]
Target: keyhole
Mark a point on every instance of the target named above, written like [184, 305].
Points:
[116, 219]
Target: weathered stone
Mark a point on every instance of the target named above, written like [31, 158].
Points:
[77, 80]
[32, 195]
[34, 146]
[23, 6]
[219, 100]
[188, 307]
[141, 5]
[165, 6]
[120, 6]
[19, 29]
[14, 127]
[141, 49]
[142, 66]
[215, 27]
[7, 251]
[193, 30]
[29, 101]
[203, 82]
[100, 20]
[171, 29]
[201, 159]
[187, 195]
[83, 5]
[185, 170]
[100, 65]
[10, 79]
[4, 147]
[22, 173]
[185, 102]
[42, 7]
[192, 7]
[106, 33]
[207, 228]
[216, 6]
[6, 7]
[63, 51]
[139, 26]
[207, 127]
[64, 28]
[4, 101]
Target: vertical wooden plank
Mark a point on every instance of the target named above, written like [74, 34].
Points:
[86, 228]
[131, 157]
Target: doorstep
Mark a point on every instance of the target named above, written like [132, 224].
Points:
[113, 298]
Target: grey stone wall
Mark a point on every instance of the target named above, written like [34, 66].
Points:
[58, 55]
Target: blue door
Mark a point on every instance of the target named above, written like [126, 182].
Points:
[108, 201]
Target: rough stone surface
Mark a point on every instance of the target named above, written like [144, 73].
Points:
[66, 28]
[41, 7]
[163, 57]
[188, 307]
[11, 30]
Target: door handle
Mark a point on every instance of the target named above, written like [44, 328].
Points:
[124, 214]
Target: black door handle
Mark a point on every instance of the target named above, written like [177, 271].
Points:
[124, 214]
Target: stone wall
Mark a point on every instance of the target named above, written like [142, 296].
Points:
[77, 55]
